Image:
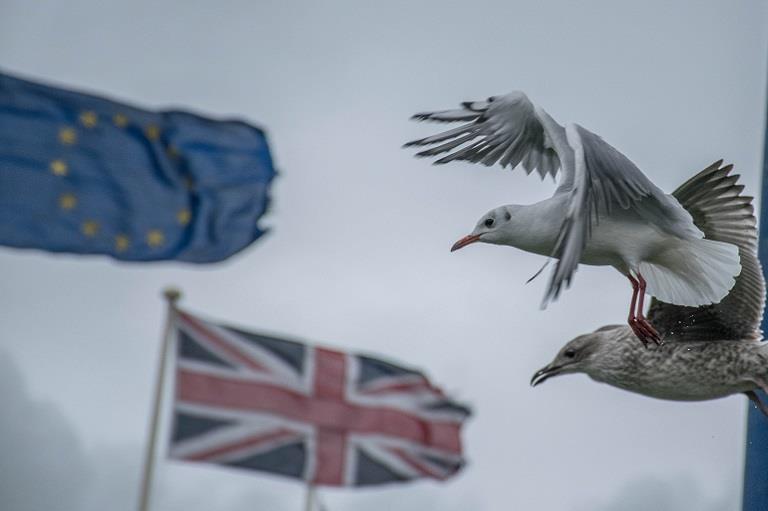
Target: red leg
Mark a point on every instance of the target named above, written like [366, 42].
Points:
[640, 314]
[632, 319]
[641, 299]
[633, 304]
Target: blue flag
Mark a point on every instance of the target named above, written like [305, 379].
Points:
[87, 175]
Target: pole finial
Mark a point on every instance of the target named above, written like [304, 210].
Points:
[172, 294]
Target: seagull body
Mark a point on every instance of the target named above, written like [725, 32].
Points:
[708, 352]
[622, 239]
[678, 371]
[605, 211]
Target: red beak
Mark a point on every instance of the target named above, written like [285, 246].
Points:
[466, 240]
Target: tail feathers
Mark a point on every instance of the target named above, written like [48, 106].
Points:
[698, 272]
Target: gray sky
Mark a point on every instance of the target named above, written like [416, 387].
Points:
[359, 253]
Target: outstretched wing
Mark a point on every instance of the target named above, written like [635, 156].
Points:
[714, 200]
[596, 178]
[605, 180]
[506, 129]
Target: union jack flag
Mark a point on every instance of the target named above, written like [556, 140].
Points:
[330, 418]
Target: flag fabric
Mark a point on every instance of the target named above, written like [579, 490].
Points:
[86, 175]
[329, 418]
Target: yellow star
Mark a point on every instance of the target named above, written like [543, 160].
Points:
[155, 238]
[122, 243]
[152, 132]
[89, 119]
[189, 183]
[67, 136]
[172, 152]
[90, 228]
[59, 167]
[183, 216]
[120, 120]
[67, 201]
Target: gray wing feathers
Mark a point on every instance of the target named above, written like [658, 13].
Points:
[605, 179]
[714, 200]
[615, 181]
[503, 129]
[575, 229]
[511, 131]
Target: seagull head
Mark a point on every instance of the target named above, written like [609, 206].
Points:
[497, 226]
[584, 354]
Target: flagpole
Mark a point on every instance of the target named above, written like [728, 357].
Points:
[310, 494]
[172, 296]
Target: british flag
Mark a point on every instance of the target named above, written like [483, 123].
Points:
[330, 418]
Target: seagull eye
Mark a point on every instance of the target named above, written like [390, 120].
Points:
[570, 353]
[488, 222]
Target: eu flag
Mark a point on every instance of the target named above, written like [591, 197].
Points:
[87, 175]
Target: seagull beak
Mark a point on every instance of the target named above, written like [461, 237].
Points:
[466, 240]
[545, 373]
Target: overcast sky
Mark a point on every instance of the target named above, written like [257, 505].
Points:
[359, 258]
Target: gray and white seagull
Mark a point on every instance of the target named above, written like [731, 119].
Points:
[708, 352]
[604, 212]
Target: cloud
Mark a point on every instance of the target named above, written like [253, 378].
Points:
[359, 253]
[114, 485]
[653, 493]
[43, 465]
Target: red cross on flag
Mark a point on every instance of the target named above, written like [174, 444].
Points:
[329, 418]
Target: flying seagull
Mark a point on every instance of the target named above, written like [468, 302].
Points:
[604, 212]
[708, 352]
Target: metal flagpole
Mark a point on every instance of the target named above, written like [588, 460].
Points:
[755, 496]
[309, 503]
[172, 296]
